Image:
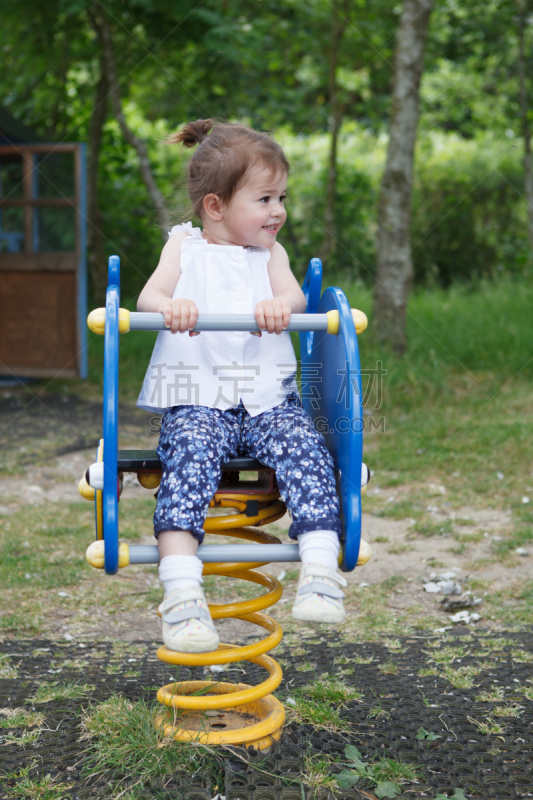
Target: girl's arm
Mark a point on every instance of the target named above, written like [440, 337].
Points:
[274, 315]
[180, 314]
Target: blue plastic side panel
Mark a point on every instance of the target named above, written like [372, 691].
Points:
[335, 406]
[111, 348]
[311, 287]
[113, 272]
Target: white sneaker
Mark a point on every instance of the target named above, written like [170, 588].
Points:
[319, 595]
[187, 623]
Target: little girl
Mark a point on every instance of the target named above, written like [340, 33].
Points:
[231, 394]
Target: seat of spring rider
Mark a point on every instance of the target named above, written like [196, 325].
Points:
[140, 460]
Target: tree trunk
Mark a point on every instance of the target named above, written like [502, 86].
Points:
[104, 31]
[394, 273]
[330, 229]
[95, 237]
[526, 129]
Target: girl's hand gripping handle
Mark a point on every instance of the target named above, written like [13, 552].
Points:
[180, 315]
[273, 315]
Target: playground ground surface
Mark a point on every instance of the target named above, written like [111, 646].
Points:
[400, 681]
[73, 640]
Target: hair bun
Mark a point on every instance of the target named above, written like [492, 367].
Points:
[192, 133]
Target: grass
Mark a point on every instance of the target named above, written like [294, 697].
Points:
[398, 549]
[391, 584]
[385, 776]
[317, 773]
[360, 660]
[458, 403]
[372, 619]
[57, 691]
[20, 718]
[21, 623]
[389, 668]
[447, 655]
[395, 646]
[522, 656]
[49, 560]
[124, 738]
[496, 695]
[329, 689]
[400, 509]
[511, 606]
[507, 711]
[7, 669]
[23, 738]
[319, 703]
[56, 536]
[462, 677]
[307, 666]
[388, 769]
[488, 726]
[19, 785]
[378, 712]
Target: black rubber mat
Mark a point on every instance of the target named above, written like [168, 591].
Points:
[413, 683]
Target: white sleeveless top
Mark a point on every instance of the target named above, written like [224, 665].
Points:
[219, 369]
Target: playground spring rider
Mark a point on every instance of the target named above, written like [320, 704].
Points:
[330, 362]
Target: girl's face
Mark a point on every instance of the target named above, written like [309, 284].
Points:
[256, 213]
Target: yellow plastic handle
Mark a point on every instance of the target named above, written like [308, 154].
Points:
[360, 320]
[95, 554]
[96, 320]
[365, 553]
[86, 491]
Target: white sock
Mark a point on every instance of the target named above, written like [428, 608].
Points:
[180, 572]
[319, 547]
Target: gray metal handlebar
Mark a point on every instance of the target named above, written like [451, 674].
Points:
[146, 321]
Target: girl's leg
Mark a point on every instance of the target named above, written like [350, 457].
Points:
[179, 566]
[194, 441]
[286, 440]
[319, 547]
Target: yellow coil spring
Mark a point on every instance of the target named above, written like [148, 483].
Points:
[246, 715]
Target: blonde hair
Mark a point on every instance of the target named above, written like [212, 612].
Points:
[226, 151]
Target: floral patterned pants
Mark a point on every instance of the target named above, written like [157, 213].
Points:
[195, 440]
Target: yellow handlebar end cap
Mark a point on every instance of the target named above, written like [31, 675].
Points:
[86, 491]
[96, 321]
[95, 554]
[365, 553]
[123, 320]
[123, 554]
[333, 321]
[149, 480]
[360, 320]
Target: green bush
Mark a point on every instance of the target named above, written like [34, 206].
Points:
[469, 216]
[468, 212]
[361, 158]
